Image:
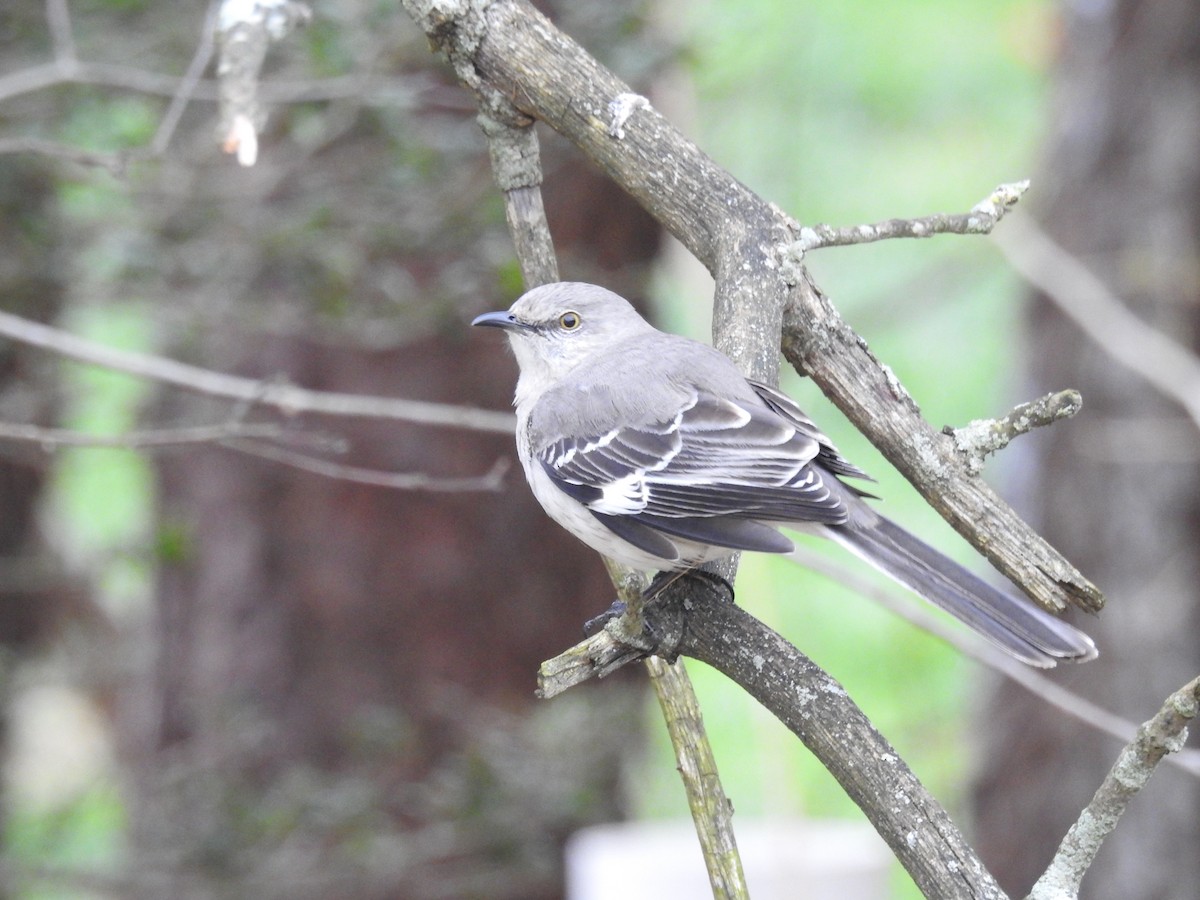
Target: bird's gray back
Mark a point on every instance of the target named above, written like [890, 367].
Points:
[665, 371]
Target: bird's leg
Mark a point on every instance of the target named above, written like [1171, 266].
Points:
[665, 609]
[658, 584]
[648, 639]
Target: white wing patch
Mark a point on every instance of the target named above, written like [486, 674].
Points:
[623, 497]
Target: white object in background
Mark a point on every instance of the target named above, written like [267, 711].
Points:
[784, 859]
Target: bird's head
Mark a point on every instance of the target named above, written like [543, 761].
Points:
[554, 328]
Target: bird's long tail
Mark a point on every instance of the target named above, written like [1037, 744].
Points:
[1013, 623]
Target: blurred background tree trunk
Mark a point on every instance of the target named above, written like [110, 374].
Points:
[1119, 488]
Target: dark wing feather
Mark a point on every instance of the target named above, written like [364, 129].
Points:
[828, 454]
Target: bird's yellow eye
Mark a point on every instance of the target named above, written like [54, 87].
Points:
[570, 320]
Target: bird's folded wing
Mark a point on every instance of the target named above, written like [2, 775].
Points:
[828, 455]
[712, 458]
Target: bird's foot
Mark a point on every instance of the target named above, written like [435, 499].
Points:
[596, 624]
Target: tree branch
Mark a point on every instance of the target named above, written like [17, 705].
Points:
[980, 220]
[492, 480]
[140, 440]
[187, 85]
[711, 808]
[978, 440]
[250, 438]
[245, 30]
[1163, 734]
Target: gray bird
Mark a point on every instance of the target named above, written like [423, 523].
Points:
[656, 451]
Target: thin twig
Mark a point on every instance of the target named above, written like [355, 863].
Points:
[492, 480]
[115, 163]
[368, 88]
[980, 438]
[1089, 302]
[980, 220]
[249, 439]
[50, 438]
[698, 768]
[187, 85]
[1161, 735]
[288, 398]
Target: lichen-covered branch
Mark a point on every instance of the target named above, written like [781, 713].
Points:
[1163, 734]
[978, 440]
[981, 219]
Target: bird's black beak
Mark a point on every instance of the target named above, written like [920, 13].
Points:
[503, 319]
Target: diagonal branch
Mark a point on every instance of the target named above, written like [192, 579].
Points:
[1163, 734]
[693, 618]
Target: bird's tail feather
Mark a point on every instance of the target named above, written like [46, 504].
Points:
[1014, 624]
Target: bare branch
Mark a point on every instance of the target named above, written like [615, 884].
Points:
[980, 220]
[248, 439]
[1163, 734]
[285, 397]
[492, 480]
[365, 87]
[49, 438]
[1095, 308]
[245, 31]
[981, 438]
[697, 766]
[516, 166]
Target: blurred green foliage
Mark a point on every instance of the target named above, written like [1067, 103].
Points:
[86, 835]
